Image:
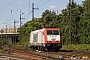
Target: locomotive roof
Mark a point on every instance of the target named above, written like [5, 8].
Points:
[40, 30]
[37, 30]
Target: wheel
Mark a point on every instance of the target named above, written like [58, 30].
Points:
[56, 49]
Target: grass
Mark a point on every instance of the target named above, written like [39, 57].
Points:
[78, 47]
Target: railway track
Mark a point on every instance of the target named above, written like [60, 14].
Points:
[28, 53]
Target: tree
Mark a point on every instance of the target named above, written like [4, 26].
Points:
[48, 18]
[74, 23]
[27, 28]
[84, 23]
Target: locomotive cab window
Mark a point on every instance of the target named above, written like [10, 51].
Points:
[52, 32]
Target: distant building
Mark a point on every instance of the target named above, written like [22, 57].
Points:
[9, 30]
[11, 35]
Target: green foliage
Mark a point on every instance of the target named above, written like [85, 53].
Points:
[84, 23]
[78, 47]
[74, 24]
[48, 19]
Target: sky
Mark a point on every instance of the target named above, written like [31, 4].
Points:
[11, 9]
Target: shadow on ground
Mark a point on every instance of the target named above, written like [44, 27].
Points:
[66, 50]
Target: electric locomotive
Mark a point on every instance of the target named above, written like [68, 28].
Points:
[48, 39]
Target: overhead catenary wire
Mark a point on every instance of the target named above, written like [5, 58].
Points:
[29, 6]
[44, 3]
[26, 17]
[8, 5]
[38, 3]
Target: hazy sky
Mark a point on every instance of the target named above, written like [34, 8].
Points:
[11, 9]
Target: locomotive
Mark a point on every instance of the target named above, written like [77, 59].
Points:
[46, 39]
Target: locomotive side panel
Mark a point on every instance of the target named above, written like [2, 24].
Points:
[36, 38]
[31, 39]
[40, 39]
